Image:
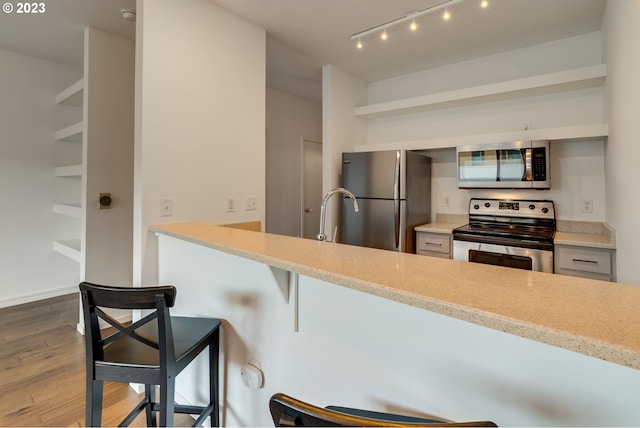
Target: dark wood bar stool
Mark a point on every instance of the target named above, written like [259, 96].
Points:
[151, 351]
[289, 412]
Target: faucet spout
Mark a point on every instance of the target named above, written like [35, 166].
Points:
[321, 235]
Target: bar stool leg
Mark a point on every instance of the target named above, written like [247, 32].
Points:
[214, 378]
[93, 405]
[167, 400]
[150, 394]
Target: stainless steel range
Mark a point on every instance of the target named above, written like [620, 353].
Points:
[512, 233]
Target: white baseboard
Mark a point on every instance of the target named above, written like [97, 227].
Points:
[40, 295]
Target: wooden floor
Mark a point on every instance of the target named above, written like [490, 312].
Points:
[42, 369]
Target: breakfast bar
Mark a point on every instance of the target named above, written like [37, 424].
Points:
[360, 327]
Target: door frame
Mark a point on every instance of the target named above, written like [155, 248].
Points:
[303, 140]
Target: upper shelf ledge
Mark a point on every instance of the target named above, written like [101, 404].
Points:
[72, 95]
[561, 133]
[568, 80]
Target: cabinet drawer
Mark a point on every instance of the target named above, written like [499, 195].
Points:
[433, 254]
[584, 259]
[434, 242]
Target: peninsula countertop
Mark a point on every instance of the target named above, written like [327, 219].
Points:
[595, 318]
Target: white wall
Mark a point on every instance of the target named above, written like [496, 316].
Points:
[621, 30]
[573, 52]
[29, 117]
[289, 119]
[108, 157]
[200, 119]
[577, 168]
[341, 131]
[577, 173]
[358, 350]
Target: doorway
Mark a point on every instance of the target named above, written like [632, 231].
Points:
[311, 188]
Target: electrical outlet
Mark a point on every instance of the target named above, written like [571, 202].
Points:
[252, 203]
[166, 207]
[446, 202]
[587, 206]
[231, 205]
[252, 377]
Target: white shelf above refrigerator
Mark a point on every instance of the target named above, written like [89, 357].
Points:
[562, 81]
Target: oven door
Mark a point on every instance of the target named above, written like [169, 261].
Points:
[503, 255]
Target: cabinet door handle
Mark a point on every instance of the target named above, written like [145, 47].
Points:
[595, 262]
[439, 244]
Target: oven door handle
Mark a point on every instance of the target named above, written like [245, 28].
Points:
[521, 243]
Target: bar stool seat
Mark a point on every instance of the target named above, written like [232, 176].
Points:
[151, 351]
[287, 411]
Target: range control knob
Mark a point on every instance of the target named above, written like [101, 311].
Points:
[487, 204]
[532, 207]
[476, 207]
[545, 210]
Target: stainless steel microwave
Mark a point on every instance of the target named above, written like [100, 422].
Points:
[515, 165]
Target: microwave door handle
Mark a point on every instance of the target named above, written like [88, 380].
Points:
[528, 165]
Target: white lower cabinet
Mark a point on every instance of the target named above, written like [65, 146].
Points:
[433, 244]
[586, 262]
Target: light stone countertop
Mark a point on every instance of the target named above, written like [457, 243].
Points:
[443, 228]
[585, 234]
[595, 318]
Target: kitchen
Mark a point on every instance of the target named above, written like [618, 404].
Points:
[568, 110]
[344, 93]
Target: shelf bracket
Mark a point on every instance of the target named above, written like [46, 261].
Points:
[282, 280]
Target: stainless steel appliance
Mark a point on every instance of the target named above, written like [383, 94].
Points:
[512, 233]
[519, 164]
[393, 189]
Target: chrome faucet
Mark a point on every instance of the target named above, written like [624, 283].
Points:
[321, 235]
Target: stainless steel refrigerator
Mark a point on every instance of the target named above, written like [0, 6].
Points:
[393, 189]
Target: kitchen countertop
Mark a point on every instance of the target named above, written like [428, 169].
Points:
[595, 318]
[582, 234]
[585, 234]
[444, 228]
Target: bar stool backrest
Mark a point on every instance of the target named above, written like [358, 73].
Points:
[158, 299]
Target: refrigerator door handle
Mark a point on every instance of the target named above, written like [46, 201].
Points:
[396, 181]
[396, 215]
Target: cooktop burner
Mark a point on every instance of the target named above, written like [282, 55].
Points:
[508, 231]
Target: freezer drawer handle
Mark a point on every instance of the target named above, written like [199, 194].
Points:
[595, 262]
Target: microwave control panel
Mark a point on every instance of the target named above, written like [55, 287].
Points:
[539, 164]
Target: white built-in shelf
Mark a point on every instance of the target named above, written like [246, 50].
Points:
[71, 133]
[565, 133]
[72, 95]
[68, 171]
[69, 248]
[562, 81]
[68, 209]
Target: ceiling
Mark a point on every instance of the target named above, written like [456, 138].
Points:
[319, 32]
[303, 35]
[57, 34]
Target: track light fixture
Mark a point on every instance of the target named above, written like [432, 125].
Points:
[413, 26]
